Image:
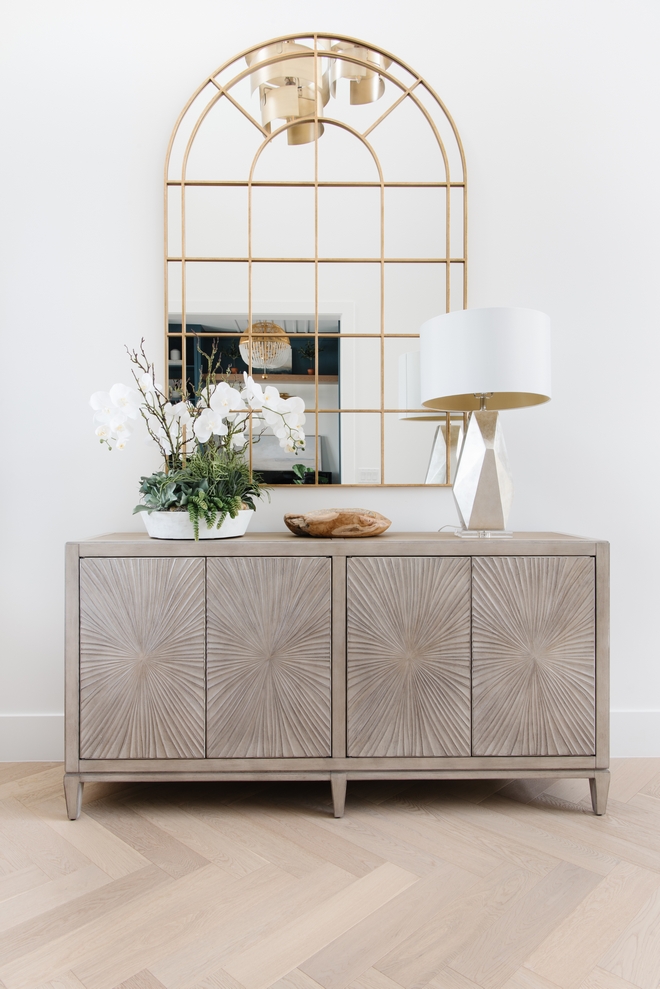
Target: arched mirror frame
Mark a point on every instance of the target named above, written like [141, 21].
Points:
[412, 87]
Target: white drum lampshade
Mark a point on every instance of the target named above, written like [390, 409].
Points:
[503, 353]
[482, 360]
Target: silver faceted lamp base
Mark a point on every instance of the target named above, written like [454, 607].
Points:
[483, 488]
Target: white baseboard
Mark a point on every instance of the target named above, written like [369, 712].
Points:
[40, 737]
[31, 737]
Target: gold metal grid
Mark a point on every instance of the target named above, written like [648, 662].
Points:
[412, 88]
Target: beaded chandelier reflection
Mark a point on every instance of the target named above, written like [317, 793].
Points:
[299, 86]
[267, 345]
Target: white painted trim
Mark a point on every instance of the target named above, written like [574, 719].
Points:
[40, 737]
[31, 737]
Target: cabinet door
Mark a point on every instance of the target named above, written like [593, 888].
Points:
[268, 660]
[533, 664]
[408, 656]
[141, 658]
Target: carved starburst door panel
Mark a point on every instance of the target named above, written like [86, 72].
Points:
[533, 656]
[268, 660]
[141, 658]
[408, 656]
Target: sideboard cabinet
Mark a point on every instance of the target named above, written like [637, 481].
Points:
[405, 656]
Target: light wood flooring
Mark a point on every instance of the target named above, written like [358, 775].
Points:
[461, 885]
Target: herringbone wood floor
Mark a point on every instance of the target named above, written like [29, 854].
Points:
[495, 884]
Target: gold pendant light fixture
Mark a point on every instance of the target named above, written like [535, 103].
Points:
[266, 344]
[289, 89]
[367, 85]
[300, 85]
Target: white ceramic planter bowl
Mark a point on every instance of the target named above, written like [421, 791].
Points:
[177, 525]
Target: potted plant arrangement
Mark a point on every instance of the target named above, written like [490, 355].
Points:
[231, 353]
[308, 354]
[307, 475]
[206, 489]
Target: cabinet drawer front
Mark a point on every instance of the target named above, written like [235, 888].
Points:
[268, 660]
[141, 658]
[533, 662]
[408, 656]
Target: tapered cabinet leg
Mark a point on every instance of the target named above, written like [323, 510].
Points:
[73, 790]
[338, 784]
[600, 786]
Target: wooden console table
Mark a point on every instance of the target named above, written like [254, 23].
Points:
[405, 656]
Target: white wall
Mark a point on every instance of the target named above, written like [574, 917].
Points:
[556, 102]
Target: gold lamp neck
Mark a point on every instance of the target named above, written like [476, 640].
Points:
[483, 396]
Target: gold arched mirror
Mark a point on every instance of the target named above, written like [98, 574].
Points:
[316, 185]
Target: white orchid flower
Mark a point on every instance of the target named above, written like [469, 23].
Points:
[291, 440]
[207, 423]
[120, 427]
[272, 396]
[203, 427]
[271, 417]
[253, 392]
[226, 400]
[102, 403]
[285, 417]
[180, 411]
[127, 399]
[147, 385]
[259, 426]
[293, 406]
[220, 426]
[292, 411]
[238, 441]
[121, 444]
[103, 432]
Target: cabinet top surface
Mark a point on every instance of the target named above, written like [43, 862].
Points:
[286, 544]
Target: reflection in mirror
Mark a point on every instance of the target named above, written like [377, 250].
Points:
[315, 218]
[441, 433]
[361, 448]
[443, 462]
[278, 350]
[338, 376]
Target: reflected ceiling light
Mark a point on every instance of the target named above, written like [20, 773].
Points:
[367, 85]
[295, 88]
[479, 361]
[271, 347]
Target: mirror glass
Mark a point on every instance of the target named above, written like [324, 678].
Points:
[315, 218]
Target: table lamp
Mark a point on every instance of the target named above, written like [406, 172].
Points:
[480, 361]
